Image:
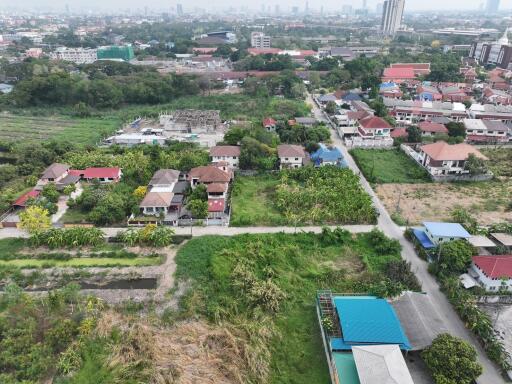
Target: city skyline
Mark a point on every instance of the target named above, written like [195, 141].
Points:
[411, 5]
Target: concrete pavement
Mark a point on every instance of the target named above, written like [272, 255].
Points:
[429, 284]
[214, 230]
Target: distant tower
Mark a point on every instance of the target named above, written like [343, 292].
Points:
[365, 4]
[380, 7]
[306, 8]
[392, 14]
[322, 10]
[492, 6]
[295, 10]
[145, 10]
[276, 9]
[67, 9]
[179, 9]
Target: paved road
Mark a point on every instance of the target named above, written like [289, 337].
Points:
[429, 284]
[213, 230]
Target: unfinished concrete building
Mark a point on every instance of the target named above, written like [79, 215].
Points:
[191, 121]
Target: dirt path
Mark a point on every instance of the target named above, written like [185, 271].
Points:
[166, 280]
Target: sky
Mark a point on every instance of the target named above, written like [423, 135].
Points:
[410, 5]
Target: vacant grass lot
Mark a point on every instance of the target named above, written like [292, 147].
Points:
[388, 166]
[78, 131]
[226, 274]
[252, 201]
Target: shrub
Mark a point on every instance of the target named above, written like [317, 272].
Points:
[400, 271]
[70, 237]
[452, 360]
[150, 235]
[382, 244]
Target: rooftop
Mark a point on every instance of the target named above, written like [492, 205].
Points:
[165, 176]
[443, 151]
[495, 266]
[503, 238]
[369, 321]
[55, 170]
[225, 150]
[383, 364]
[289, 150]
[446, 230]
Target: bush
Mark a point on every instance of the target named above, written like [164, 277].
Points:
[71, 237]
[400, 271]
[151, 235]
[382, 244]
[452, 360]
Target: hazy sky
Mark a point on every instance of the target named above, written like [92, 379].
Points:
[410, 5]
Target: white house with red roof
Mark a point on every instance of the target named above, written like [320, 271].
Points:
[269, 124]
[493, 273]
[442, 159]
[101, 174]
[374, 127]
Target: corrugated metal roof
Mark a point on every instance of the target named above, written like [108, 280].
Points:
[371, 321]
[446, 229]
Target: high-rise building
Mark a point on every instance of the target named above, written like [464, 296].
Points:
[492, 6]
[260, 40]
[379, 8]
[295, 10]
[392, 14]
[179, 9]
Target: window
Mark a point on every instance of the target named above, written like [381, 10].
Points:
[296, 159]
[286, 159]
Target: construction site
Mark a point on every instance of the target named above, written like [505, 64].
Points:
[191, 121]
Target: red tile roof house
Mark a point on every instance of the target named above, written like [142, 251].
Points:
[21, 202]
[291, 156]
[493, 273]
[443, 159]
[469, 74]
[373, 127]
[269, 124]
[418, 68]
[454, 94]
[217, 184]
[399, 132]
[226, 153]
[102, 175]
[402, 72]
[428, 128]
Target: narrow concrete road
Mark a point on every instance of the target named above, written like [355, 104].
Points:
[429, 284]
[213, 230]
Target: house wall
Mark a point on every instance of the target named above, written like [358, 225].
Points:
[492, 285]
[232, 160]
[290, 162]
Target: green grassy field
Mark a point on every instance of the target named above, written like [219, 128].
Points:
[79, 131]
[81, 262]
[221, 268]
[388, 166]
[252, 201]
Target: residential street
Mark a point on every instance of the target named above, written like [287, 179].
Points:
[212, 230]
[428, 282]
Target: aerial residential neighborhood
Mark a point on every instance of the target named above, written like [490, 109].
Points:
[256, 193]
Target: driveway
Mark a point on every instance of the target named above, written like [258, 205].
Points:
[429, 284]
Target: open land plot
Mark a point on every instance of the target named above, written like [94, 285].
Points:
[488, 201]
[60, 128]
[252, 201]
[388, 166]
[224, 275]
[326, 195]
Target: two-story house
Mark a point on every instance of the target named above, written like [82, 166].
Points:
[485, 131]
[441, 158]
[374, 127]
[291, 156]
[162, 197]
[493, 273]
[54, 173]
[226, 153]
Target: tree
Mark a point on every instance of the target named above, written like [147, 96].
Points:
[413, 134]
[452, 360]
[330, 108]
[455, 256]
[475, 165]
[140, 192]
[35, 219]
[198, 208]
[199, 193]
[50, 192]
[456, 129]
[69, 189]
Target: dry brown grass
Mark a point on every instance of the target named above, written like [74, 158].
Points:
[188, 352]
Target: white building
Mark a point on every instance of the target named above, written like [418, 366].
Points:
[392, 14]
[229, 154]
[260, 40]
[291, 156]
[75, 55]
[492, 272]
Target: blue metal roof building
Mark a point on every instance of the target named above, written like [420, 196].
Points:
[367, 321]
[328, 155]
[454, 230]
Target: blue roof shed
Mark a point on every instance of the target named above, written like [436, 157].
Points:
[328, 155]
[369, 321]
